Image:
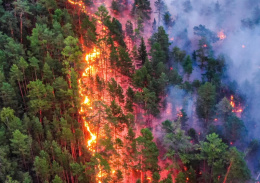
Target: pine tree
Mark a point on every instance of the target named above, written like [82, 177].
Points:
[142, 9]
[21, 146]
[206, 101]
[187, 66]
[142, 53]
[160, 8]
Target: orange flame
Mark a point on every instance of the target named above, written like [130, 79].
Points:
[235, 109]
[86, 101]
[79, 3]
[92, 139]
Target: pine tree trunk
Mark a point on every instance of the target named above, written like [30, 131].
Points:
[21, 27]
[21, 91]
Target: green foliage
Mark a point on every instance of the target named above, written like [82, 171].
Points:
[148, 151]
[125, 63]
[167, 19]
[239, 171]
[10, 121]
[142, 54]
[57, 179]
[224, 108]
[179, 55]
[129, 99]
[8, 96]
[161, 37]
[206, 101]
[142, 9]
[188, 176]
[41, 166]
[187, 66]
[40, 96]
[213, 149]
[129, 28]
[234, 128]
[177, 143]
[174, 77]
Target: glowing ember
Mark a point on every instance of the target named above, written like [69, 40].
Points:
[232, 102]
[215, 119]
[235, 109]
[221, 35]
[231, 143]
[243, 46]
[180, 115]
[185, 168]
[205, 46]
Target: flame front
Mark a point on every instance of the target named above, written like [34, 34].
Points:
[86, 101]
[79, 3]
[92, 139]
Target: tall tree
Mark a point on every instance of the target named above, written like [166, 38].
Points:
[142, 9]
[224, 109]
[187, 66]
[142, 53]
[21, 146]
[160, 9]
[213, 151]
[206, 101]
[162, 38]
[167, 19]
[21, 7]
[148, 151]
[40, 96]
[8, 96]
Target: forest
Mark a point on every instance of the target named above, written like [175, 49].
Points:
[100, 91]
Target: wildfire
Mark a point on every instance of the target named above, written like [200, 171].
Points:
[86, 101]
[79, 3]
[92, 55]
[180, 115]
[221, 35]
[232, 101]
[92, 139]
[235, 109]
[90, 58]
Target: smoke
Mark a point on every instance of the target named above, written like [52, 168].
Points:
[239, 23]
